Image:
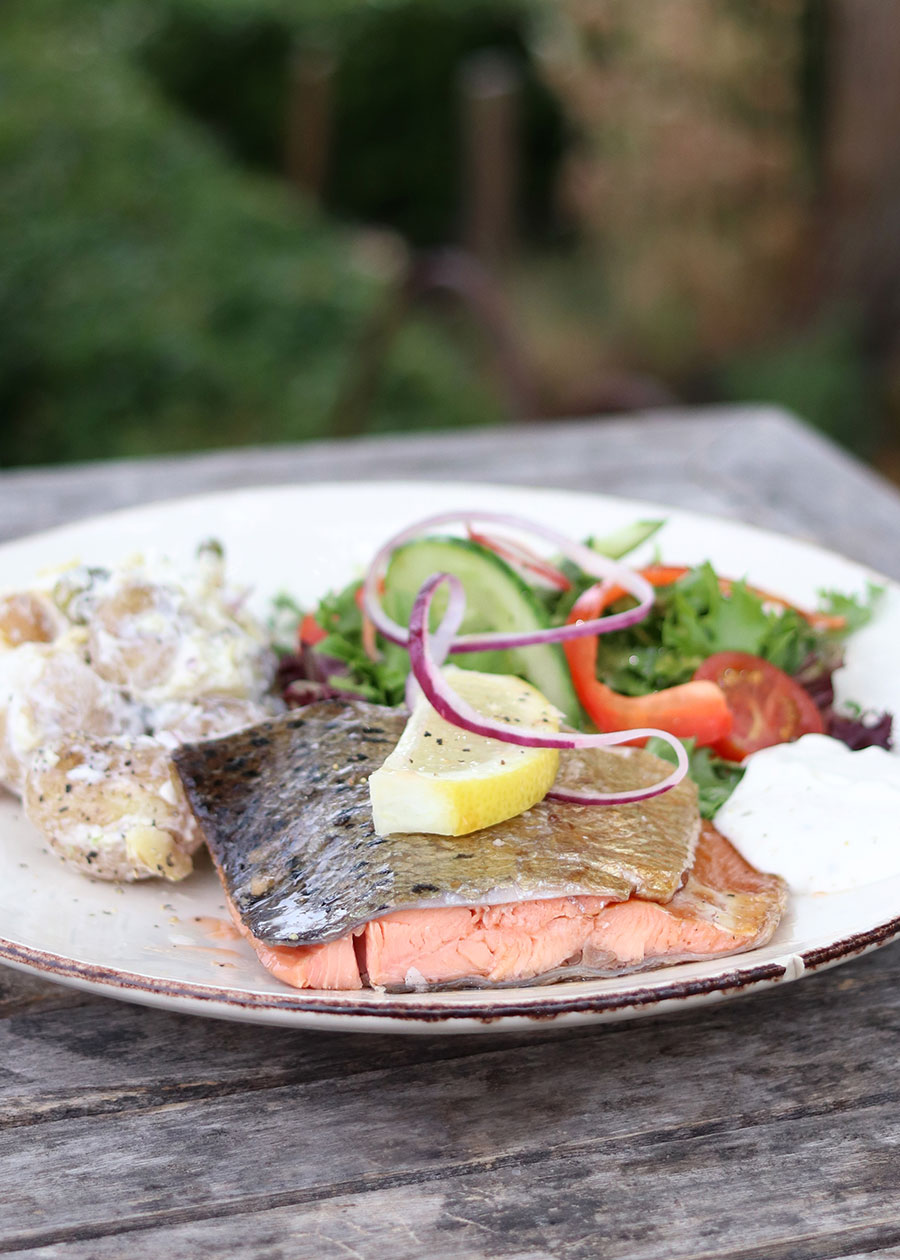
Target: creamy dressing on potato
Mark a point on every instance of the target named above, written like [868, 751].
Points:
[102, 675]
[48, 691]
[165, 636]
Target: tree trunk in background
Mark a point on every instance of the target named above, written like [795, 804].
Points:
[862, 163]
[308, 122]
[489, 92]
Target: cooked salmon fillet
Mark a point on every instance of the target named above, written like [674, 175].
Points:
[329, 966]
[558, 891]
[725, 907]
[497, 943]
[284, 808]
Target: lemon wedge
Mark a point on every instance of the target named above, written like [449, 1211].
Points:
[445, 781]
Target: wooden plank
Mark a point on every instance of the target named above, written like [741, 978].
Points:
[794, 472]
[585, 1123]
[762, 1128]
[578, 1206]
[716, 460]
[751, 463]
[723, 1196]
[117, 1057]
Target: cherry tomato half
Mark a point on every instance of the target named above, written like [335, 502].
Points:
[767, 705]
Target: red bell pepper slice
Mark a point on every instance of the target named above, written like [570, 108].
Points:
[310, 632]
[694, 710]
[369, 642]
[690, 710]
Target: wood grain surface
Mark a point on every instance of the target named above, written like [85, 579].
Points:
[763, 1128]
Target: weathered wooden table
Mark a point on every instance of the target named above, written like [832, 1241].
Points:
[768, 1127]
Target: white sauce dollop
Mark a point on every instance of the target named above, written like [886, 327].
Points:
[825, 818]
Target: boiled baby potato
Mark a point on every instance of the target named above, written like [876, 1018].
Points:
[133, 635]
[165, 637]
[112, 808]
[47, 691]
[27, 617]
[179, 722]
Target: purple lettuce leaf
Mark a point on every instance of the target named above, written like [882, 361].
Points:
[855, 727]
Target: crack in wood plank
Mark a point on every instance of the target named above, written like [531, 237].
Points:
[374, 1183]
[840, 1245]
[264, 1202]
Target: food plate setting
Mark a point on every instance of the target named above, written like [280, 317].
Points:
[173, 944]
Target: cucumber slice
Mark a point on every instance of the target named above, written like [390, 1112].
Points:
[626, 539]
[496, 599]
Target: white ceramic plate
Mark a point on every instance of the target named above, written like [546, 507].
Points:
[159, 944]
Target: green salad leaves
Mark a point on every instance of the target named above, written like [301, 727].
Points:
[382, 681]
[693, 618]
[715, 777]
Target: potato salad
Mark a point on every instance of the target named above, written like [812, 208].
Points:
[103, 672]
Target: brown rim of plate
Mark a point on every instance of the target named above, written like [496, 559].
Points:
[541, 1008]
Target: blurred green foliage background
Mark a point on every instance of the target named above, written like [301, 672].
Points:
[395, 156]
[164, 288]
[154, 295]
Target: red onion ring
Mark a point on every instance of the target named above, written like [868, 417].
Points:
[442, 639]
[453, 708]
[590, 561]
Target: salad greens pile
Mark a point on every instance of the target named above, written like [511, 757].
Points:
[382, 681]
[339, 661]
[692, 619]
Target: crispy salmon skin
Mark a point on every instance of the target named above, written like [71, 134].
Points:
[562, 891]
[284, 808]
